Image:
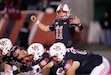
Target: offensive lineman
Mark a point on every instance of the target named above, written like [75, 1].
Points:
[72, 61]
[14, 56]
[41, 58]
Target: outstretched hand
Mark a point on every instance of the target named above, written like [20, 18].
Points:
[77, 20]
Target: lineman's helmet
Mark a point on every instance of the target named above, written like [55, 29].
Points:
[5, 45]
[59, 50]
[36, 49]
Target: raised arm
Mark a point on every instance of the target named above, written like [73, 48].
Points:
[41, 26]
[79, 27]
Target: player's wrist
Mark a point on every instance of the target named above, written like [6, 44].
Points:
[37, 22]
[80, 27]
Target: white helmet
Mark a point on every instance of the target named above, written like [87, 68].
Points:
[5, 45]
[36, 49]
[63, 7]
[59, 50]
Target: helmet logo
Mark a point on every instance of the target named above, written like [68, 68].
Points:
[61, 8]
[57, 48]
[35, 48]
[3, 43]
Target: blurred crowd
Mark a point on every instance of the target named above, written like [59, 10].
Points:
[28, 4]
[13, 7]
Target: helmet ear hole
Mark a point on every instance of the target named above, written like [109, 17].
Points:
[8, 51]
[39, 56]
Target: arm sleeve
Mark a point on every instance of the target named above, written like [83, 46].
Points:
[51, 27]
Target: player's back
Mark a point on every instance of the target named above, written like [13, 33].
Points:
[86, 59]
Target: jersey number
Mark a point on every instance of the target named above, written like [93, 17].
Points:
[59, 32]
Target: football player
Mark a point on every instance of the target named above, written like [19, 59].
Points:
[63, 25]
[57, 53]
[41, 58]
[74, 61]
[13, 56]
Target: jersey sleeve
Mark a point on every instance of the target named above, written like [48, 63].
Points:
[44, 60]
[51, 27]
